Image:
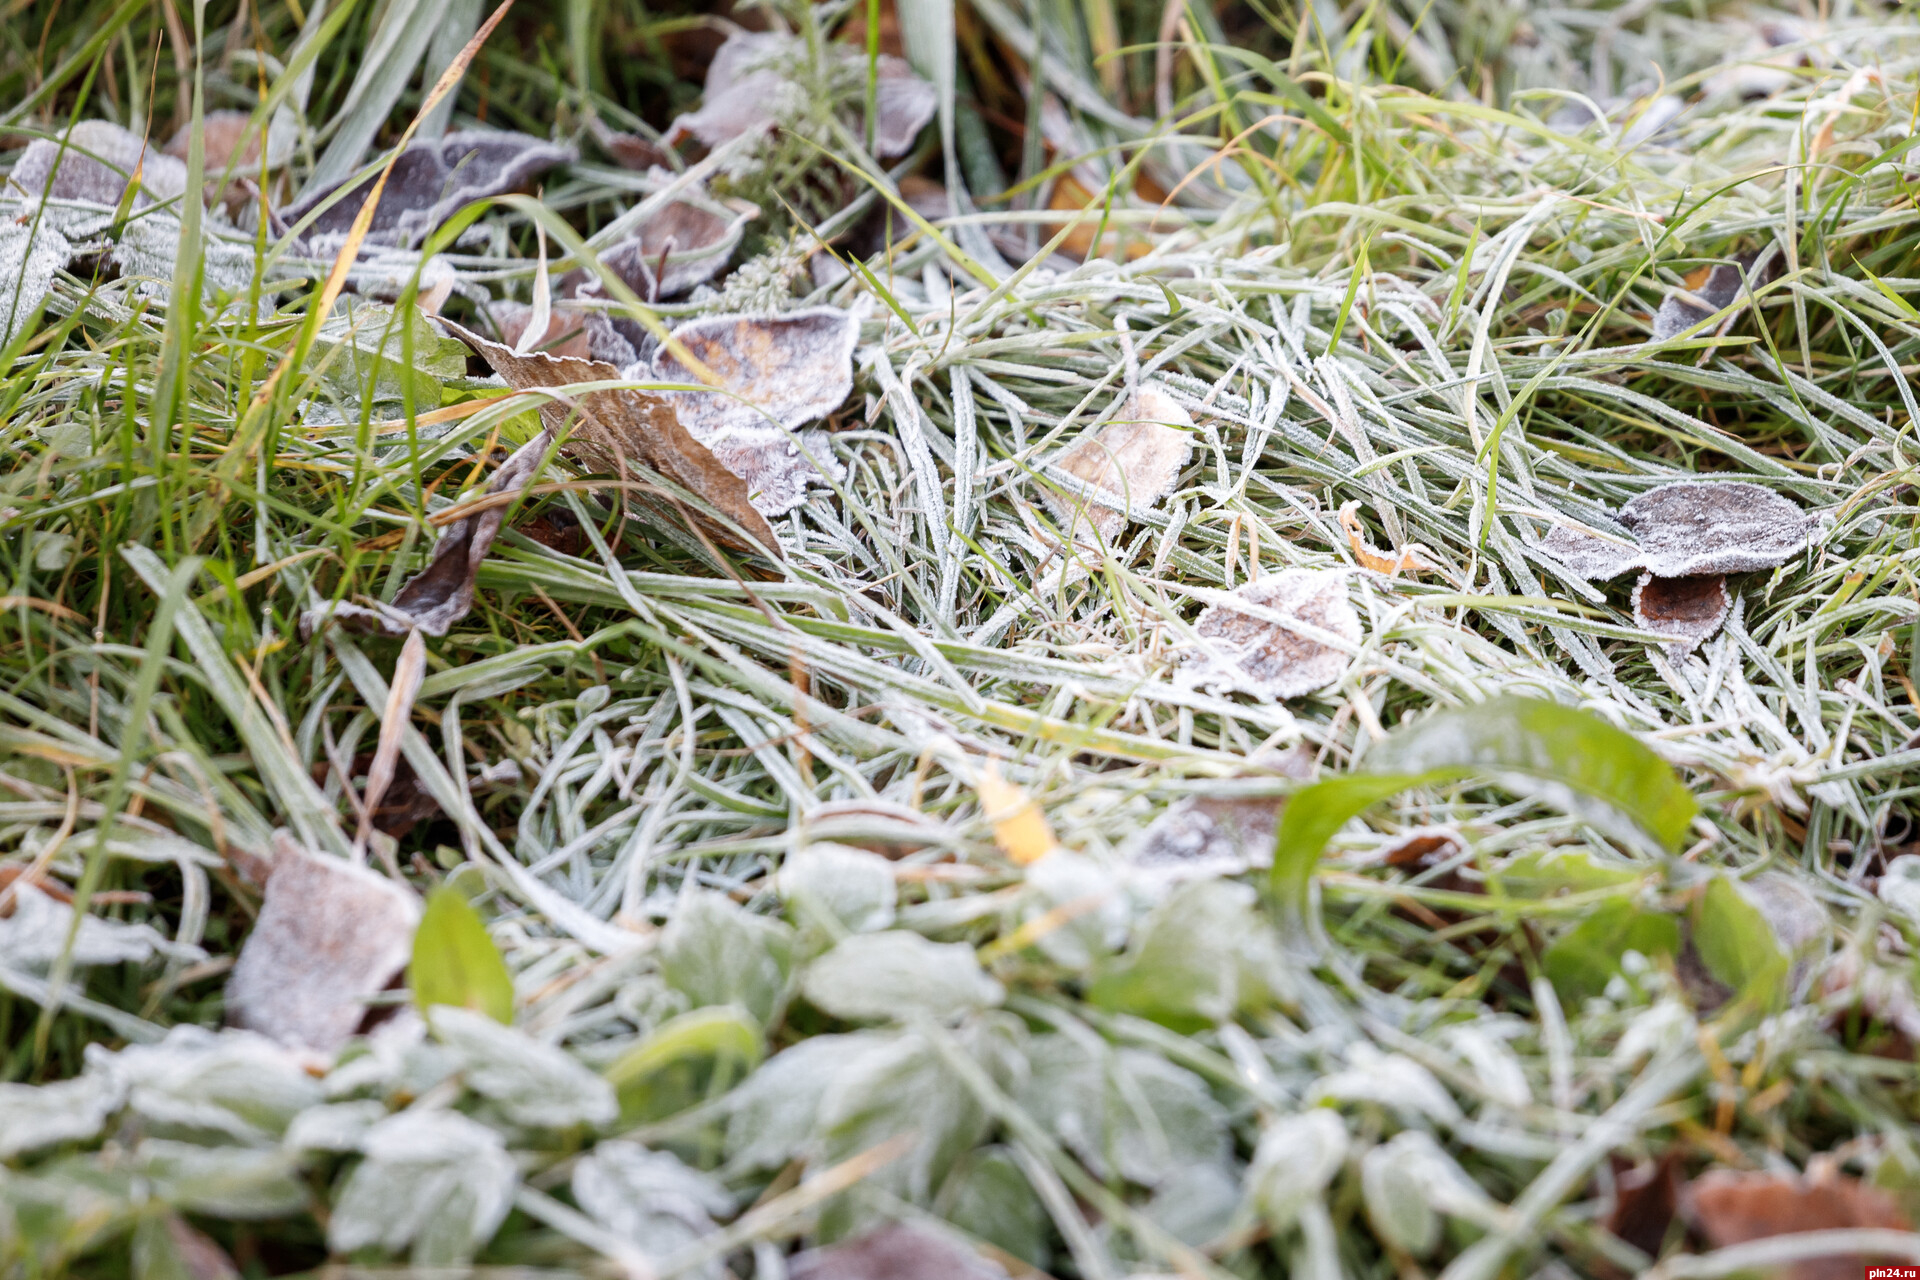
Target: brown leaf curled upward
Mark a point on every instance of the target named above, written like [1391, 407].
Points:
[1729, 1207]
[1242, 653]
[1685, 610]
[1719, 288]
[684, 244]
[1137, 458]
[330, 936]
[97, 161]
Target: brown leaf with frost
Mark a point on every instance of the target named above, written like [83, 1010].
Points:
[776, 373]
[566, 330]
[95, 164]
[614, 430]
[1685, 610]
[1205, 836]
[330, 936]
[1137, 458]
[1241, 652]
[1730, 1207]
[684, 244]
[431, 181]
[1690, 527]
[1408, 559]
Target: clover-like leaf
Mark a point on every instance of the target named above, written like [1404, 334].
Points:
[433, 1180]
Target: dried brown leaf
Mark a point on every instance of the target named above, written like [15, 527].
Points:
[408, 671]
[617, 429]
[97, 162]
[566, 330]
[1685, 610]
[1137, 458]
[1210, 836]
[1645, 1198]
[1688, 528]
[1422, 847]
[894, 1252]
[1243, 653]
[430, 182]
[750, 87]
[778, 372]
[329, 937]
[684, 244]
[1730, 1207]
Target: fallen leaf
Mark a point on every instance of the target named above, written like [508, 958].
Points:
[1137, 458]
[1422, 847]
[1209, 836]
[684, 244]
[1717, 287]
[1408, 559]
[635, 151]
[1242, 653]
[408, 671]
[777, 373]
[566, 331]
[894, 1252]
[1729, 1207]
[431, 181]
[1685, 610]
[30, 256]
[97, 161]
[1691, 527]
[1019, 828]
[751, 85]
[612, 429]
[227, 141]
[1645, 1198]
[330, 936]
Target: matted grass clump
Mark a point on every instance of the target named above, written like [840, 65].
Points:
[1288, 647]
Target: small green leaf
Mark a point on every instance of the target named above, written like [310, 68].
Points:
[1585, 958]
[1312, 816]
[456, 963]
[1738, 946]
[684, 1059]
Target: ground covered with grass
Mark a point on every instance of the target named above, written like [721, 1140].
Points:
[945, 638]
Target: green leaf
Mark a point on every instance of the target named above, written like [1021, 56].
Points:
[1738, 946]
[683, 1060]
[1581, 961]
[1188, 967]
[1568, 757]
[456, 963]
[1564, 756]
[1311, 817]
[714, 952]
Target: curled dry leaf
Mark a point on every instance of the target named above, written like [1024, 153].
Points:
[894, 1252]
[1645, 1198]
[228, 141]
[1685, 610]
[1409, 559]
[750, 87]
[613, 430]
[329, 937]
[95, 164]
[442, 593]
[1019, 827]
[1717, 287]
[1729, 1207]
[1691, 527]
[1244, 653]
[566, 330]
[684, 244]
[777, 373]
[431, 181]
[1137, 458]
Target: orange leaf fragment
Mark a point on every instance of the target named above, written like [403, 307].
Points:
[1019, 828]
